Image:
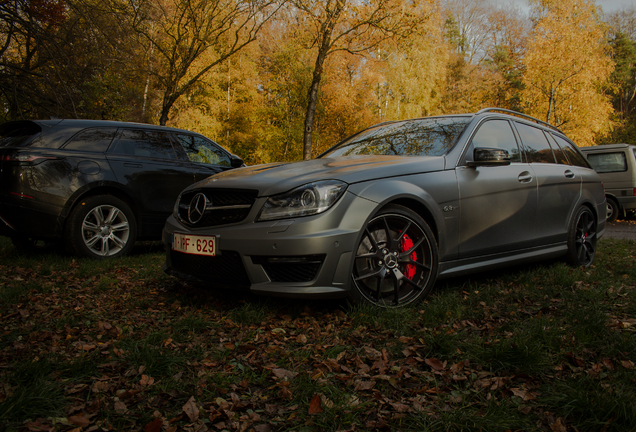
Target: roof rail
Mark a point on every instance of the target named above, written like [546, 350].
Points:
[518, 114]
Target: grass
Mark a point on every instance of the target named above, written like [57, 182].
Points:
[118, 345]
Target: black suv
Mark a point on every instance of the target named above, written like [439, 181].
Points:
[97, 185]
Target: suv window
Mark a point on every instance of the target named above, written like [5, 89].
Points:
[201, 150]
[573, 155]
[92, 139]
[498, 134]
[608, 162]
[145, 143]
[18, 134]
[536, 144]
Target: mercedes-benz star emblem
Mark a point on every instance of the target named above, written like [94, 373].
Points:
[391, 261]
[197, 208]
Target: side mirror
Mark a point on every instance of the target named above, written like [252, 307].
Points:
[236, 162]
[486, 156]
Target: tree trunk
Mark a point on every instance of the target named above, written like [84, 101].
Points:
[311, 109]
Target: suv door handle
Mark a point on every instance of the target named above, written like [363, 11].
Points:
[569, 174]
[525, 177]
[133, 165]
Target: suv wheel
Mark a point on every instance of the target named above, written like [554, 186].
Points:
[612, 210]
[100, 227]
[28, 245]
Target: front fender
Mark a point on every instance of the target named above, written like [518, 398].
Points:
[434, 196]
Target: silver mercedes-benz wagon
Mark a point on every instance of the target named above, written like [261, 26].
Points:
[385, 213]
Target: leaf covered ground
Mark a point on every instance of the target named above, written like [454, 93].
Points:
[118, 345]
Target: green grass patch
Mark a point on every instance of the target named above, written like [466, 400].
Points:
[120, 344]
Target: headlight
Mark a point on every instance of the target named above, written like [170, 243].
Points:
[310, 199]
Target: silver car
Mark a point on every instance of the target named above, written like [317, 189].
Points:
[384, 214]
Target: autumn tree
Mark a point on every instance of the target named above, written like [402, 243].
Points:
[414, 73]
[183, 32]
[567, 62]
[352, 26]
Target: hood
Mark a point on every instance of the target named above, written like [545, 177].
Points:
[275, 178]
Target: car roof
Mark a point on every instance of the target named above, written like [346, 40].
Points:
[84, 123]
[607, 147]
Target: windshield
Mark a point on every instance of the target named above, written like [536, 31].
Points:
[432, 136]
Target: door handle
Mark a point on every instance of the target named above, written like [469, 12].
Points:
[569, 174]
[132, 165]
[525, 177]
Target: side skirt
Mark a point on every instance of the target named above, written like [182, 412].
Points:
[490, 262]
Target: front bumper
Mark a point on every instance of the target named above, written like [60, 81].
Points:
[307, 256]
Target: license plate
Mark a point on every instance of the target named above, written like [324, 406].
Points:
[194, 244]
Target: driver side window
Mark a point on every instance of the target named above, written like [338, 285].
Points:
[497, 134]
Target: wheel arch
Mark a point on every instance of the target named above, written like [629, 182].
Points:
[113, 189]
[412, 197]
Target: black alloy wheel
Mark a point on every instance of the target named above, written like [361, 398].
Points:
[396, 259]
[582, 238]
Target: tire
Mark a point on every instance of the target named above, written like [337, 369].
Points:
[582, 238]
[396, 261]
[612, 210]
[28, 245]
[101, 226]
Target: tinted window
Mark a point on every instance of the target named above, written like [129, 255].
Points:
[537, 147]
[146, 143]
[93, 139]
[201, 150]
[497, 134]
[18, 134]
[424, 137]
[575, 157]
[559, 153]
[608, 162]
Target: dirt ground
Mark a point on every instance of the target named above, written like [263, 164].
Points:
[621, 229]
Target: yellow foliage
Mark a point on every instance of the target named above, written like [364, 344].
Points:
[567, 63]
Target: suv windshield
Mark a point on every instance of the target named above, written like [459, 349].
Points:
[423, 137]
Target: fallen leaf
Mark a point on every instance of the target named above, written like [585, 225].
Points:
[315, 406]
[79, 420]
[434, 363]
[284, 373]
[154, 426]
[191, 410]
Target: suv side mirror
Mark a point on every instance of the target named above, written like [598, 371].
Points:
[486, 156]
[236, 162]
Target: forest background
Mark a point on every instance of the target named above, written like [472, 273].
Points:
[283, 80]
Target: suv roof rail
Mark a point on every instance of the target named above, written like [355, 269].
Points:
[518, 114]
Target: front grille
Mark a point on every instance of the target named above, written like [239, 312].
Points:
[225, 206]
[225, 270]
[291, 269]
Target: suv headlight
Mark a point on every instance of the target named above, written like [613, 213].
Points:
[306, 200]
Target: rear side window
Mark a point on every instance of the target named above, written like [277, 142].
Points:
[201, 150]
[92, 139]
[144, 143]
[575, 157]
[608, 162]
[537, 146]
[559, 153]
[18, 134]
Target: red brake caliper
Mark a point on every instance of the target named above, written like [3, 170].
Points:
[405, 244]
